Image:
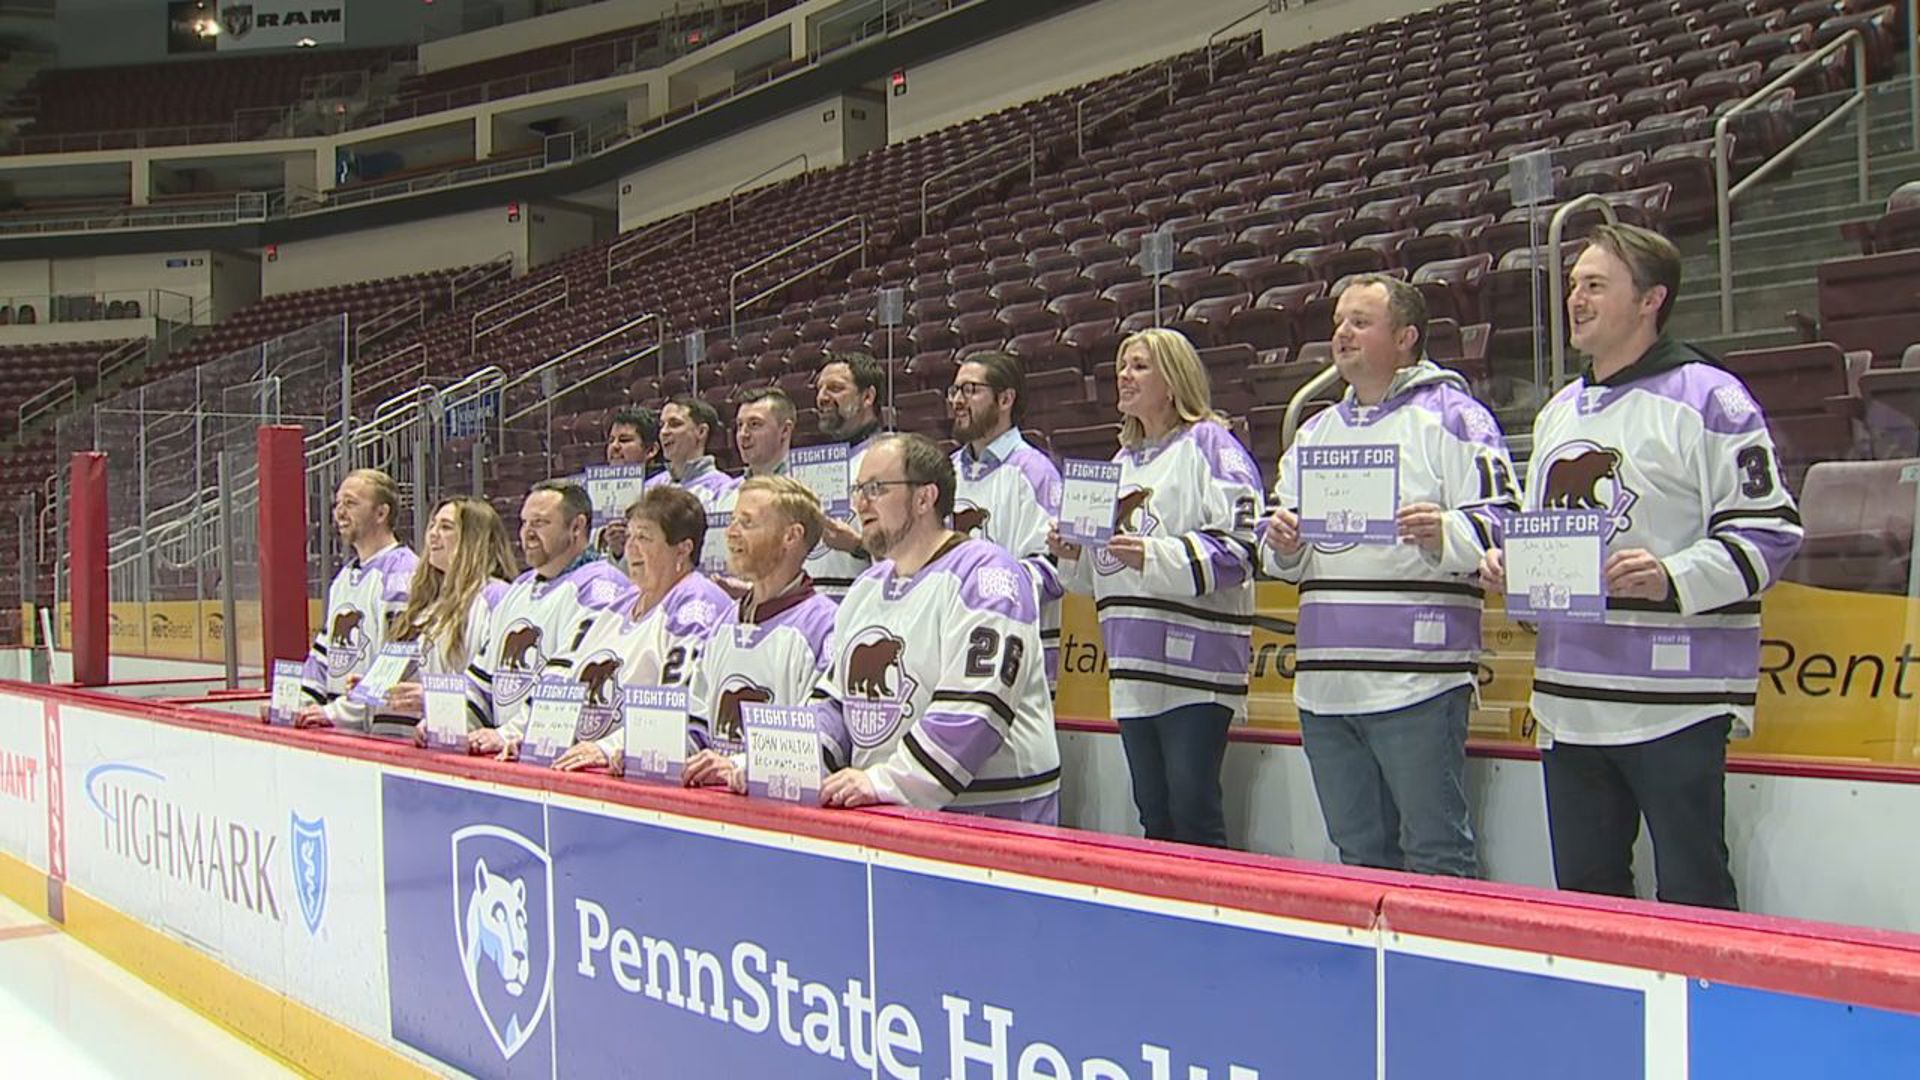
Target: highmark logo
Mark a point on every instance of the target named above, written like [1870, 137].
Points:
[231, 860]
[503, 922]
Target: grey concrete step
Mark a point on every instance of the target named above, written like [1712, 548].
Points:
[1754, 308]
[1722, 344]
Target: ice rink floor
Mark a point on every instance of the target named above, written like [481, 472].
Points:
[66, 1013]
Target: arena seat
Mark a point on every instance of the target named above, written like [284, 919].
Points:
[1858, 517]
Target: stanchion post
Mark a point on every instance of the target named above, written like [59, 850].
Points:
[87, 538]
[283, 545]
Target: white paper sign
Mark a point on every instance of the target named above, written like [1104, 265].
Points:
[656, 719]
[285, 701]
[1554, 560]
[613, 488]
[446, 709]
[783, 753]
[1349, 494]
[395, 661]
[713, 549]
[553, 714]
[1089, 495]
[825, 472]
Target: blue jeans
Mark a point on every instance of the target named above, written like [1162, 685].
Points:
[1392, 785]
[1174, 759]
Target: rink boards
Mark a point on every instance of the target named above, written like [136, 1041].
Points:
[358, 907]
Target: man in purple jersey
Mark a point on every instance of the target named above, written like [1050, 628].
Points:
[686, 423]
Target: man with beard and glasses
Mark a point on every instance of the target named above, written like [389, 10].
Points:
[1008, 492]
[934, 697]
[848, 400]
[362, 601]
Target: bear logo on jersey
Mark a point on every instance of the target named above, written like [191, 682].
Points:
[520, 650]
[601, 673]
[1586, 476]
[1132, 516]
[970, 520]
[878, 687]
[346, 641]
[734, 693]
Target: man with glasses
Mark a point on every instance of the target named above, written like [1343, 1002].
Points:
[934, 697]
[1008, 492]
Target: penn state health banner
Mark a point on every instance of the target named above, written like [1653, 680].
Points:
[282, 24]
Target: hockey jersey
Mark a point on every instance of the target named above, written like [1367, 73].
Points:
[1382, 627]
[701, 477]
[361, 604]
[772, 655]
[1010, 495]
[833, 571]
[536, 619]
[618, 648]
[439, 659]
[935, 689]
[1676, 453]
[1180, 632]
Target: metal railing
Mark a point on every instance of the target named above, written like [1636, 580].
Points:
[735, 305]
[540, 372]
[478, 277]
[1031, 165]
[1082, 126]
[378, 326]
[1290, 420]
[806, 168]
[408, 371]
[1557, 281]
[653, 238]
[551, 296]
[51, 400]
[120, 358]
[1214, 39]
[1725, 193]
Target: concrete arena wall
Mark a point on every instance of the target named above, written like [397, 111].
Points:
[324, 920]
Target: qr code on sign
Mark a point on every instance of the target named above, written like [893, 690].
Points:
[1549, 598]
[1347, 521]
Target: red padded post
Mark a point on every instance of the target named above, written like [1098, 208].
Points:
[87, 576]
[283, 545]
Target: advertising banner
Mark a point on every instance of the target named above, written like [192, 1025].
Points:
[281, 24]
[23, 780]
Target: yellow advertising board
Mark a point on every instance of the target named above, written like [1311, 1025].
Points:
[179, 629]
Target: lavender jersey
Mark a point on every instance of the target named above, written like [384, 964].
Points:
[1676, 453]
[935, 687]
[776, 657]
[708, 487]
[535, 620]
[1012, 502]
[617, 649]
[361, 605]
[1383, 627]
[1180, 631]
[437, 658]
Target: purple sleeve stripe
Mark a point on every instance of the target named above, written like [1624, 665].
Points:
[1776, 547]
[1228, 559]
[947, 780]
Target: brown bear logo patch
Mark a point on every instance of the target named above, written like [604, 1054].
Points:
[346, 623]
[868, 665]
[968, 519]
[1131, 504]
[521, 650]
[1571, 482]
[727, 718]
[602, 679]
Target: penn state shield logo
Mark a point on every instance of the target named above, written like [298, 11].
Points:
[310, 869]
[236, 19]
[503, 922]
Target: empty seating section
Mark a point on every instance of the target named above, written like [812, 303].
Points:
[597, 57]
[239, 92]
[27, 371]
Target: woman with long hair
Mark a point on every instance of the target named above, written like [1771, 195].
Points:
[1174, 586]
[469, 563]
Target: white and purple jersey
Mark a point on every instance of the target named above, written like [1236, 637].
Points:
[1180, 631]
[439, 659]
[706, 482]
[619, 648]
[1385, 626]
[772, 655]
[833, 571]
[361, 605]
[1010, 495]
[1676, 453]
[935, 687]
[535, 620]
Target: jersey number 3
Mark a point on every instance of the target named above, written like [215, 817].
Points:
[983, 648]
[1756, 472]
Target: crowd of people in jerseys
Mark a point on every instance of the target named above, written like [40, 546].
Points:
[922, 630]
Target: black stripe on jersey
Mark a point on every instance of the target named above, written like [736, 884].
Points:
[1445, 588]
[1197, 564]
[1671, 606]
[561, 662]
[1434, 667]
[934, 768]
[479, 674]
[478, 715]
[1480, 530]
[1783, 512]
[319, 647]
[1643, 697]
[1050, 635]
[319, 697]
[978, 697]
[1152, 603]
[1247, 549]
[1741, 562]
[1235, 689]
[1012, 783]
